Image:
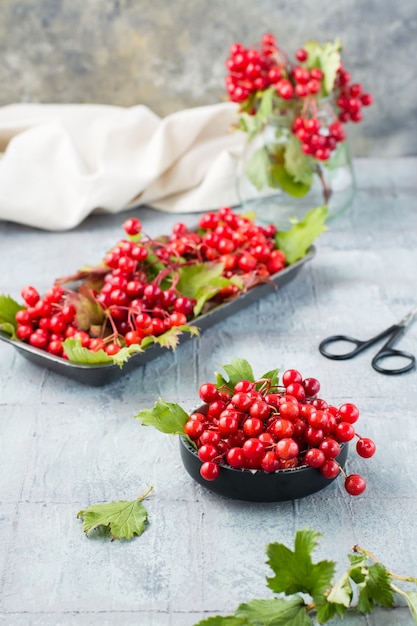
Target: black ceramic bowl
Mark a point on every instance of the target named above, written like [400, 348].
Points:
[259, 486]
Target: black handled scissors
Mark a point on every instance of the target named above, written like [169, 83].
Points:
[385, 352]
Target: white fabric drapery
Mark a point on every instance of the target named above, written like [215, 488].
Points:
[60, 162]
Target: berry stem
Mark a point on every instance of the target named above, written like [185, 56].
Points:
[327, 192]
[373, 558]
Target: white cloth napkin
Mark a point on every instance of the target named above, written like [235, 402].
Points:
[60, 162]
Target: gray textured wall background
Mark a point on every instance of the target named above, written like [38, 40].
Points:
[171, 55]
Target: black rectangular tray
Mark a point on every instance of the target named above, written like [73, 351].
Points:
[98, 375]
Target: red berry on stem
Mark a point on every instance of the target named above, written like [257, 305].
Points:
[355, 484]
[365, 447]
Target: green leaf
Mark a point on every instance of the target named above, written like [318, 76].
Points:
[259, 170]
[327, 58]
[203, 281]
[325, 611]
[295, 571]
[238, 369]
[297, 164]
[171, 337]
[341, 592]
[229, 620]
[77, 354]
[280, 178]
[411, 597]
[168, 417]
[88, 310]
[379, 585]
[273, 376]
[296, 241]
[376, 588]
[8, 310]
[276, 612]
[121, 519]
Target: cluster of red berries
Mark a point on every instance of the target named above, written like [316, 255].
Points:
[258, 426]
[319, 129]
[128, 292]
[252, 70]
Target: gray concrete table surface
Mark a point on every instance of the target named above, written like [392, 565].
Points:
[65, 445]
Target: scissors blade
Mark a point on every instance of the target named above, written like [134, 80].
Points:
[408, 318]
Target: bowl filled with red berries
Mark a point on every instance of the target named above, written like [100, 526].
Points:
[266, 439]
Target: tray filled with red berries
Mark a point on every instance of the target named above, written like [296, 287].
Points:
[147, 295]
[266, 439]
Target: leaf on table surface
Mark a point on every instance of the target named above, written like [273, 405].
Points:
[296, 241]
[8, 310]
[276, 612]
[376, 589]
[228, 620]
[168, 417]
[295, 571]
[121, 519]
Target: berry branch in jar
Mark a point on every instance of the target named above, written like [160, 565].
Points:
[313, 95]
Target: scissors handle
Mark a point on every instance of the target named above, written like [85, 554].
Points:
[387, 352]
[358, 346]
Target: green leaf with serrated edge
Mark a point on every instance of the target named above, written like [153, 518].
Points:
[379, 585]
[296, 241]
[171, 337]
[77, 354]
[238, 369]
[327, 58]
[295, 571]
[341, 592]
[88, 310]
[212, 289]
[123, 519]
[258, 169]
[325, 611]
[276, 612]
[358, 574]
[280, 178]
[297, 164]
[167, 417]
[411, 597]
[194, 279]
[218, 620]
[357, 559]
[8, 310]
[375, 589]
[273, 376]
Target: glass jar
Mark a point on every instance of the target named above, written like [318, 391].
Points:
[278, 196]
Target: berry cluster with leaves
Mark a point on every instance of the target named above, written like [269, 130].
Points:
[315, 91]
[146, 290]
[305, 594]
[265, 425]
[270, 425]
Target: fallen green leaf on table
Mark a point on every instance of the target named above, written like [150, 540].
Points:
[121, 520]
[367, 580]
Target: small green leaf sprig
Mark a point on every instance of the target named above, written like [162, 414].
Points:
[366, 584]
